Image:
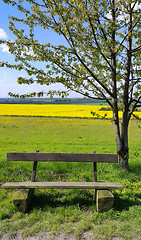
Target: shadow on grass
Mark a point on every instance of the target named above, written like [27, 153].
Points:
[81, 199]
[125, 204]
[57, 199]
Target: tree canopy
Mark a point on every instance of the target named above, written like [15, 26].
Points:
[100, 59]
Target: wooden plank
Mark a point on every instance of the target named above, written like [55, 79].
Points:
[21, 156]
[63, 157]
[67, 185]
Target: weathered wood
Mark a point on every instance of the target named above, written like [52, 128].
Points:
[34, 170]
[33, 178]
[95, 171]
[63, 157]
[21, 197]
[104, 200]
[95, 179]
[67, 185]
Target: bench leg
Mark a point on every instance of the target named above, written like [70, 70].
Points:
[21, 199]
[104, 200]
[94, 195]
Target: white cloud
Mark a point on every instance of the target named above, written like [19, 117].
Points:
[28, 51]
[3, 34]
[5, 48]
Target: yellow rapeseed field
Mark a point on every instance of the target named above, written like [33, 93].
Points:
[55, 110]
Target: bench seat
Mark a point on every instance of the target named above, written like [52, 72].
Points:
[25, 190]
[66, 185]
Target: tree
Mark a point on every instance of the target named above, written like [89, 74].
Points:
[101, 58]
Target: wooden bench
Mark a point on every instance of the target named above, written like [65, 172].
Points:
[104, 198]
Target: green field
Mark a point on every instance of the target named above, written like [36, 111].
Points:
[70, 210]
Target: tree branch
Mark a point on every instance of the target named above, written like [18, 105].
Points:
[129, 32]
[96, 41]
[135, 105]
[136, 49]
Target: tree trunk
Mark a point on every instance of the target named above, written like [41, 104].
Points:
[124, 151]
[123, 159]
[122, 140]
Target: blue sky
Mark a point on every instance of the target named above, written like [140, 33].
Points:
[8, 77]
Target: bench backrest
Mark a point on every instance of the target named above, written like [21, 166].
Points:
[63, 157]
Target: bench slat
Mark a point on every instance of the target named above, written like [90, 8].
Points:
[67, 185]
[63, 157]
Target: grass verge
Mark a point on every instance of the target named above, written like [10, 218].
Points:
[71, 210]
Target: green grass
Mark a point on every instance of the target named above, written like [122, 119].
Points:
[71, 210]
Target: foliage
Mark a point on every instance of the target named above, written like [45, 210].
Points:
[100, 58]
[71, 210]
[94, 31]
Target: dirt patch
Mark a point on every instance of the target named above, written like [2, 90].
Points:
[60, 236]
[47, 236]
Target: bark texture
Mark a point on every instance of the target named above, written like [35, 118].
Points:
[121, 137]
